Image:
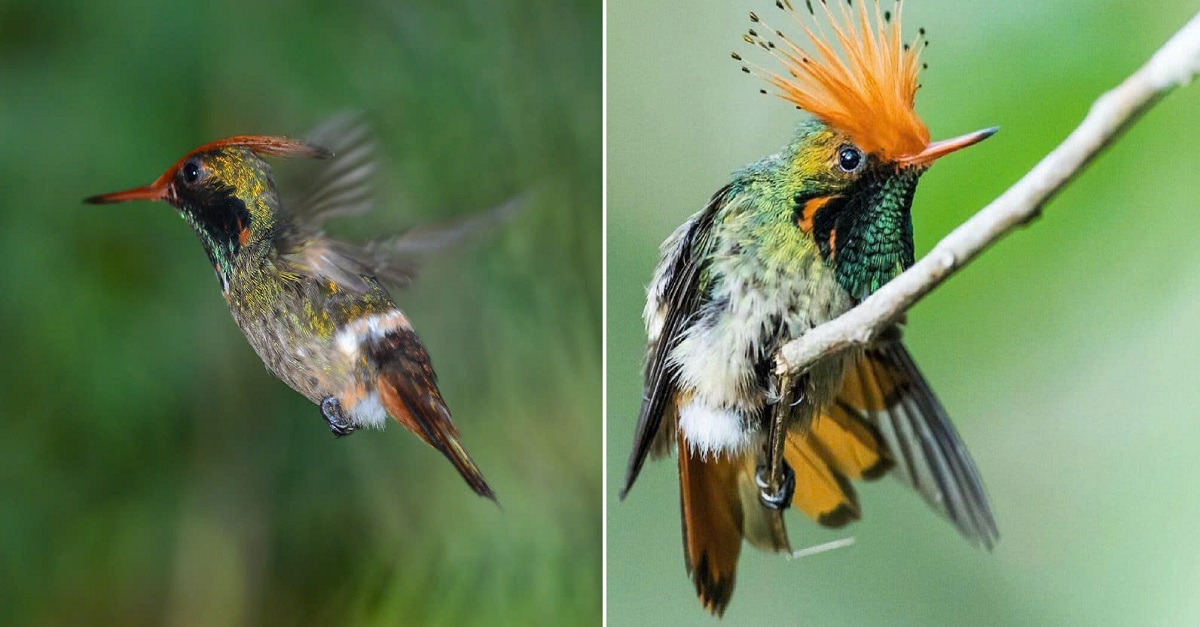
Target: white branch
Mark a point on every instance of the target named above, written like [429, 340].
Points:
[1175, 64]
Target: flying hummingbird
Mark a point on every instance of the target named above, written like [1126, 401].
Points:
[792, 241]
[315, 308]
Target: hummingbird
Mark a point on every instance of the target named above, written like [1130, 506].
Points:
[790, 242]
[314, 308]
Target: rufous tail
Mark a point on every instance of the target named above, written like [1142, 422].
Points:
[720, 503]
[408, 390]
[712, 523]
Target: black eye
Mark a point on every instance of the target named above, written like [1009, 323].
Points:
[190, 172]
[849, 158]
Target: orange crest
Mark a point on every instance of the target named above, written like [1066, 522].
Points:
[865, 88]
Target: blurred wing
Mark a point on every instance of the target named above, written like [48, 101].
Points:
[885, 390]
[674, 297]
[395, 259]
[326, 259]
[342, 187]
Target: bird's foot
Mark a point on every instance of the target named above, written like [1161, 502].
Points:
[338, 423]
[778, 500]
[773, 395]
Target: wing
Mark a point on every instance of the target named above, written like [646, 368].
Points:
[675, 295]
[344, 186]
[396, 259]
[885, 390]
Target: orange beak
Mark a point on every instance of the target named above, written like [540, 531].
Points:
[937, 150]
[154, 191]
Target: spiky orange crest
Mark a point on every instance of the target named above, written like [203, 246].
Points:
[865, 87]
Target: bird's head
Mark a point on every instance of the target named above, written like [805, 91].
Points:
[852, 170]
[224, 190]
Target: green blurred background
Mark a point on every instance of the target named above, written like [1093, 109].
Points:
[1068, 354]
[151, 470]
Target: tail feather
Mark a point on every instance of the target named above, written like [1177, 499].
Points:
[834, 448]
[408, 390]
[853, 447]
[822, 493]
[721, 505]
[712, 524]
[884, 419]
[762, 526]
[428, 418]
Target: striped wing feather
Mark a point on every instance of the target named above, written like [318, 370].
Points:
[885, 391]
[682, 298]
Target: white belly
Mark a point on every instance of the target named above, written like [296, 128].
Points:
[720, 357]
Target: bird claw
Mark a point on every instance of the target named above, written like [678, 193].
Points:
[773, 395]
[783, 498]
[331, 409]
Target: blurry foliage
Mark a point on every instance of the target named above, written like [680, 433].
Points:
[1067, 354]
[151, 470]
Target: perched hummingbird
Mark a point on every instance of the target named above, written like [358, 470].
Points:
[792, 241]
[315, 308]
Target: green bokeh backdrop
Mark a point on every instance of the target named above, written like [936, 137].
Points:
[151, 471]
[1068, 354]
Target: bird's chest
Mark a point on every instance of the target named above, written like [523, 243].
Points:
[292, 333]
[752, 309]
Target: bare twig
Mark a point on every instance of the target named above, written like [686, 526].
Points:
[1175, 64]
[821, 548]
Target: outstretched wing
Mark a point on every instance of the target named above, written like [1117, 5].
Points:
[885, 390]
[344, 186]
[675, 295]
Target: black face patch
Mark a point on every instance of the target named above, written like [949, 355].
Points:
[214, 208]
[825, 223]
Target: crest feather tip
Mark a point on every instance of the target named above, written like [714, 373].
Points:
[861, 79]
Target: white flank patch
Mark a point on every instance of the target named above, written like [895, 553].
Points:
[352, 334]
[369, 412]
[711, 431]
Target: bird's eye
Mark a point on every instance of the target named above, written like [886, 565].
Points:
[190, 172]
[850, 158]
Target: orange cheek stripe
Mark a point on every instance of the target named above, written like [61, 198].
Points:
[810, 210]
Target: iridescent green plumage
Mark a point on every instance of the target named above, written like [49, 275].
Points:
[870, 211]
[792, 241]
